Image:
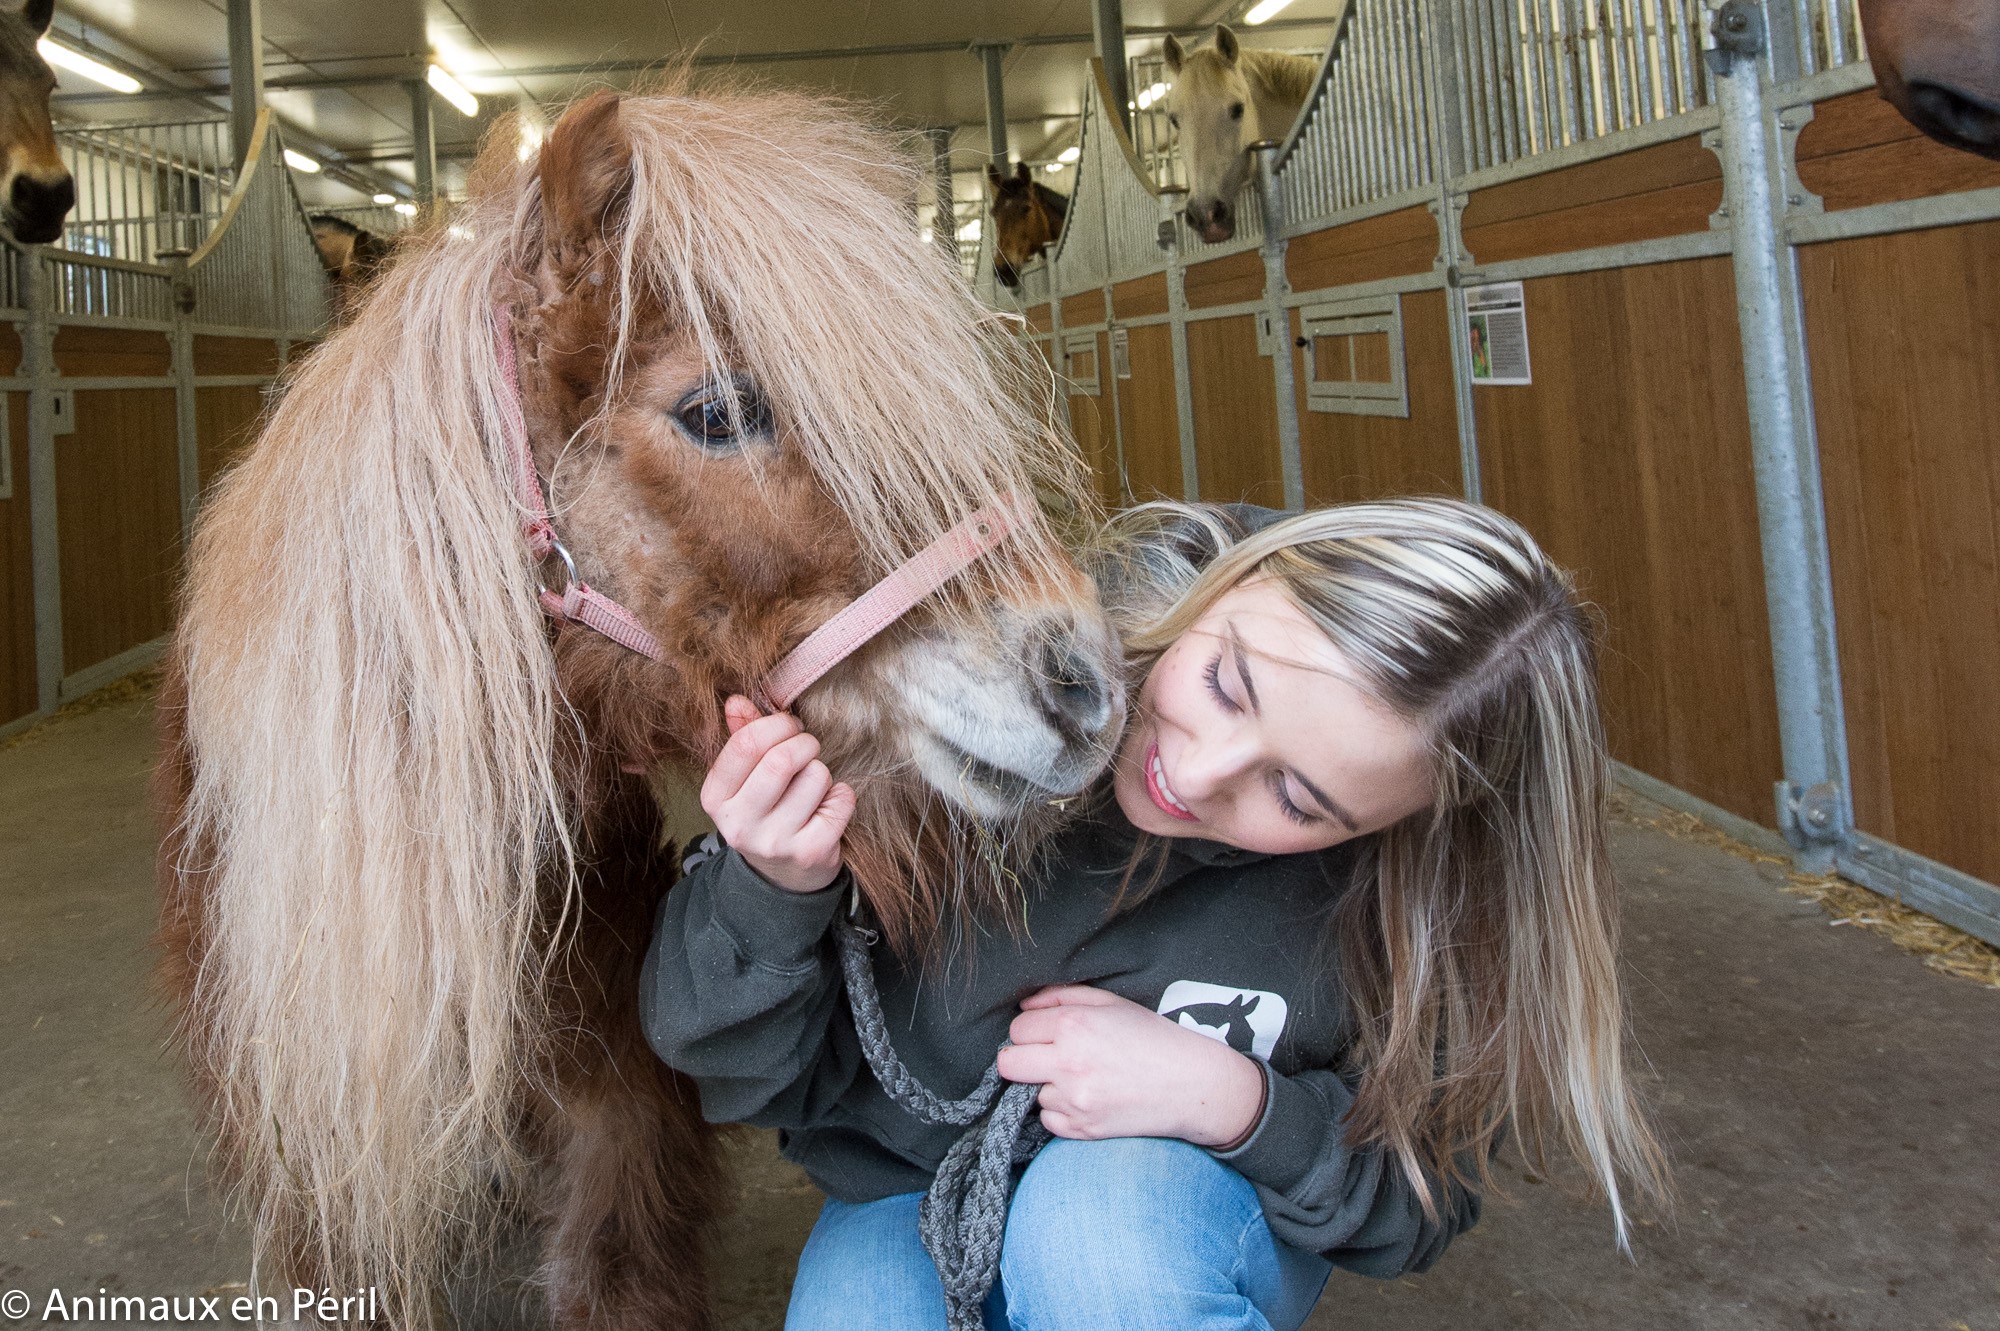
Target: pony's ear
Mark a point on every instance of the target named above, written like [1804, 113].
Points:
[37, 14]
[1022, 173]
[1225, 43]
[993, 176]
[1175, 53]
[586, 168]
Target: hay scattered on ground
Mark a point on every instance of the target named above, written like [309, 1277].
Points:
[138, 684]
[1942, 948]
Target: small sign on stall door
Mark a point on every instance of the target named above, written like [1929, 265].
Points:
[1496, 333]
[1121, 353]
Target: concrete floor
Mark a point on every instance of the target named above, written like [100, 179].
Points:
[1832, 1107]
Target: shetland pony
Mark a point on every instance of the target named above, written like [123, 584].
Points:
[1027, 218]
[1938, 62]
[351, 255]
[1224, 98]
[36, 191]
[412, 861]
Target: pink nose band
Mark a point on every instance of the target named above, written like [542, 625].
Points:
[823, 649]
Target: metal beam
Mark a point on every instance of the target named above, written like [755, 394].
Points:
[246, 73]
[1107, 22]
[996, 104]
[944, 225]
[424, 141]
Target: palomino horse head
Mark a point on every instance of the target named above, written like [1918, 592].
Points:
[391, 774]
[1226, 97]
[1938, 62]
[1027, 218]
[351, 255]
[36, 192]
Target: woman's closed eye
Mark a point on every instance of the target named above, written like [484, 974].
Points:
[1212, 673]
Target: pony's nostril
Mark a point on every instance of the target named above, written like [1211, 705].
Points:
[37, 207]
[1220, 213]
[1957, 116]
[1074, 692]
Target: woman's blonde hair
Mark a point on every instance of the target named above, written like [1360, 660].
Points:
[1478, 944]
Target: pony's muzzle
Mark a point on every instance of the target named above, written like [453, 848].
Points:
[1078, 697]
[36, 207]
[1957, 117]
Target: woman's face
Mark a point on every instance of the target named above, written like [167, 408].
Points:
[1251, 731]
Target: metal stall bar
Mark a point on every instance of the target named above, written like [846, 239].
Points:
[1448, 162]
[1278, 323]
[1172, 199]
[38, 368]
[1814, 798]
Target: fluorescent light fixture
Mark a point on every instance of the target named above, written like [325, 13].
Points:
[76, 62]
[1054, 168]
[452, 90]
[1264, 9]
[970, 231]
[300, 162]
[385, 199]
[1145, 98]
[407, 209]
[1069, 154]
[1159, 90]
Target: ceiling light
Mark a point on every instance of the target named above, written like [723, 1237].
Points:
[1145, 98]
[452, 90]
[1264, 9]
[1159, 90]
[970, 231]
[300, 162]
[407, 209]
[76, 62]
[1053, 167]
[1069, 154]
[385, 199]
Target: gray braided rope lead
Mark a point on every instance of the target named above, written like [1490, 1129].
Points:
[964, 1215]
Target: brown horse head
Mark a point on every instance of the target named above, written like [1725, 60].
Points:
[36, 192]
[351, 255]
[1938, 62]
[389, 775]
[1027, 218]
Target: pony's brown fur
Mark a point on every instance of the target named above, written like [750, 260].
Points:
[1938, 62]
[36, 191]
[1027, 218]
[412, 864]
[352, 256]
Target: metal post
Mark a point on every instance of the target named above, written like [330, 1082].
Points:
[1107, 24]
[1278, 322]
[246, 74]
[1447, 163]
[1172, 199]
[944, 224]
[38, 368]
[187, 428]
[1815, 809]
[996, 103]
[423, 142]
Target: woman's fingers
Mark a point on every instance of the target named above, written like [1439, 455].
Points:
[738, 712]
[740, 756]
[1034, 1064]
[1070, 995]
[765, 787]
[799, 800]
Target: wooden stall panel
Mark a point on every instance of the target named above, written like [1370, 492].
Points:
[1235, 413]
[236, 355]
[99, 352]
[1230, 280]
[118, 514]
[1038, 318]
[226, 421]
[17, 573]
[1140, 297]
[1904, 333]
[1858, 150]
[1150, 425]
[1368, 457]
[1628, 458]
[1090, 420]
[1392, 245]
[1081, 310]
[1668, 189]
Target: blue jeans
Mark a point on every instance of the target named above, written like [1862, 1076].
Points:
[1137, 1233]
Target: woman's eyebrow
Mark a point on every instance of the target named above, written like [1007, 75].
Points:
[1242, 659]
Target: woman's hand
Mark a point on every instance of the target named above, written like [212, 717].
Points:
[774, 801]
[1110, 1068]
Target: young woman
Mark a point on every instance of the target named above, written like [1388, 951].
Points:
[1341, 911]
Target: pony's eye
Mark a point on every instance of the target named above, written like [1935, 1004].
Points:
[1236, 110]
[722, 416]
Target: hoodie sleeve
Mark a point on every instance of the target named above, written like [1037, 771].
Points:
[741, 992]
[1355, 1206]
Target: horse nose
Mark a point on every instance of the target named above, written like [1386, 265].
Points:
[1219, 212]
[36, 208]
[1946, 112]
[1074, 693]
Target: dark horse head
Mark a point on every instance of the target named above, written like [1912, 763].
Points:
[37, 192]
[1938, 62]
[1027, 218]
[351, 256]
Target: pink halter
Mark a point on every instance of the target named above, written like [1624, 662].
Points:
[823, 649]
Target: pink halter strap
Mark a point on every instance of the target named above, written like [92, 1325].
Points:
[824, 648]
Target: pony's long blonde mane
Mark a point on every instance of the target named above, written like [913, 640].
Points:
[1205, 73]
[378, 811]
